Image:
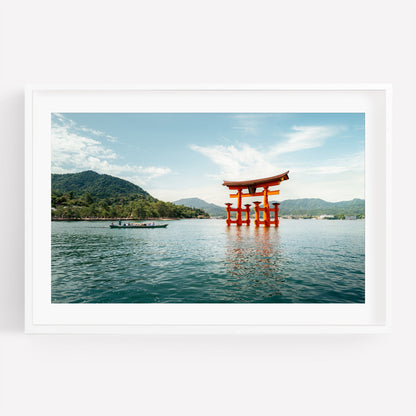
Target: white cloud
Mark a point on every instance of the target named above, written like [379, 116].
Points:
[303, 138]
[351, 163]
[339, 178]
[247, 123]
[74, 151]
[243, 161]
[95, 132]
[68, 123]
[342, 186]
[111, 139]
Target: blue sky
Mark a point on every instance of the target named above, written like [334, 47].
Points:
[184, 155]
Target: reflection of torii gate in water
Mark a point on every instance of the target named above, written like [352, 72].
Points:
[252, 187]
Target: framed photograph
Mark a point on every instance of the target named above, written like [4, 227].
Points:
[261, 209]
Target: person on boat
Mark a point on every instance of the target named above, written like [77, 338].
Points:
[119, 222]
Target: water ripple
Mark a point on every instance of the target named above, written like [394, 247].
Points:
[203, 261]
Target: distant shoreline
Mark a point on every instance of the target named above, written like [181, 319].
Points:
[212, 218]
[112, 219]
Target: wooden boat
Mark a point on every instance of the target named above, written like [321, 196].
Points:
[138, 225]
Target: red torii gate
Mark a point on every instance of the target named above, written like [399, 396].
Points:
[252, 186]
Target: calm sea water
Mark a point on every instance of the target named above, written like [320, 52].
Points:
[197, 261]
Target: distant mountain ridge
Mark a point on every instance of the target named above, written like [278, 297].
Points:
[316, 206]
[98, 185]
[301, 207]
[212, 209]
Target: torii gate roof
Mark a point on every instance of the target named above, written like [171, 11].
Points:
[272, 180]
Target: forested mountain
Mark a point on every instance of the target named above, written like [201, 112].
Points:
[92, 195]
[212, 209]
[100, 186]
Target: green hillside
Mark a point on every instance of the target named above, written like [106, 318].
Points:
[87, 195]
[100, 186]
[212, 209]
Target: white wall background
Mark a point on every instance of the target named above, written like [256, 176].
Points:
[186, 42]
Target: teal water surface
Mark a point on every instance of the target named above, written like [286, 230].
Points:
[204, 261]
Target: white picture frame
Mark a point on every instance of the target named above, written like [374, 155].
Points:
[374, 316]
